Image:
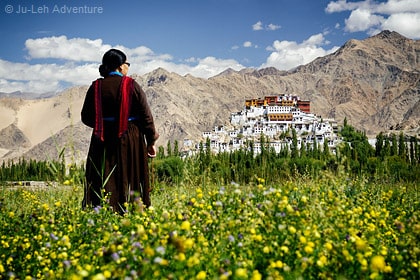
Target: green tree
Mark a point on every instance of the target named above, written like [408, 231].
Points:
[168, 149]
[379, 145]
[176, 149]
[325, 150]
[402, 146]
[294, 147]
[161, 152]
[394, 145]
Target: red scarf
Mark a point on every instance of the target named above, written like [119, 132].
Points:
[126, 88]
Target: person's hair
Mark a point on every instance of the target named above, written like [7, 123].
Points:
[111, 60]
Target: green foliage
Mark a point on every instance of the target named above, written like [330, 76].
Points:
[233, 215]
[169, 170]
[328, 228]
[24, 170]
[392, 159]
[389, 160]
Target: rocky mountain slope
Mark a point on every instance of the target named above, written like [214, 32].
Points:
[374, 83]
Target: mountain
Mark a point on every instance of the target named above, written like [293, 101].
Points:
[374, 83]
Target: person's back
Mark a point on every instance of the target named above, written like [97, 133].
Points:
[123, 137]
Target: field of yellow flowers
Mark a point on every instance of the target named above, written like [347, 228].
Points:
[331, 228]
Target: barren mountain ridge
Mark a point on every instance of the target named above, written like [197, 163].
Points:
[374, 83]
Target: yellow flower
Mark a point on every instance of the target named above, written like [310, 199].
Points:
[328, 246]
[322, 261]
[201, 275]
[308, 249]
[189, 243]
[256, 275]
[186, 225]
[347, 255]
[241, 273]
[292, 229]
[149, 251]
[377, 263]
[360, 244]
[193, 260]
[181, 257]
[99, 276]
[277, 264]
[257, 237]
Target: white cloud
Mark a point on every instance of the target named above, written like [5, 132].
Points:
[247, 44]
[76, 49]
[211, 66]
[257, 26]
[270, 27]
[273, 26]
[408, 24]
[402, 16]
[362, 20]
[343, 5]
[289, 54]
[398, 6]
[79, 61]
[40, 78]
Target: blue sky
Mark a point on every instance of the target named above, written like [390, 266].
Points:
[50, 45]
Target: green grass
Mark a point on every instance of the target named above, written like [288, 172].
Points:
[331, 228]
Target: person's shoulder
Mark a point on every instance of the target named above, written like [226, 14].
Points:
[97, 80]
[135, 83]
[130, 79]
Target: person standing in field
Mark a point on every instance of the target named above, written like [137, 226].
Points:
[123, 137]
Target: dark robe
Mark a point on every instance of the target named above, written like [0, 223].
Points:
[118, 165]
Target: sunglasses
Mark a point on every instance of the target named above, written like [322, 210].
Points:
[127, 63]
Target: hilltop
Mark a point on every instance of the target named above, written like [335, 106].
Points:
[374, 83]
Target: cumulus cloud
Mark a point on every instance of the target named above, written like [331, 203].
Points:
[76, 49]
[402, 16]
[270, 27]
[407, 24]
[41, 78]
[79, 59]
[211, 66]
[257, 26]
[286, 55]
[247, 44]
[361, 20]
[273, 27]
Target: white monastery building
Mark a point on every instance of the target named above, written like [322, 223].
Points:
[275, 117]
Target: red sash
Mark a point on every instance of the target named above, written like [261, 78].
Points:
[126, 88]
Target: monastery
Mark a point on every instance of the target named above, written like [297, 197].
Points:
[275, 117]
